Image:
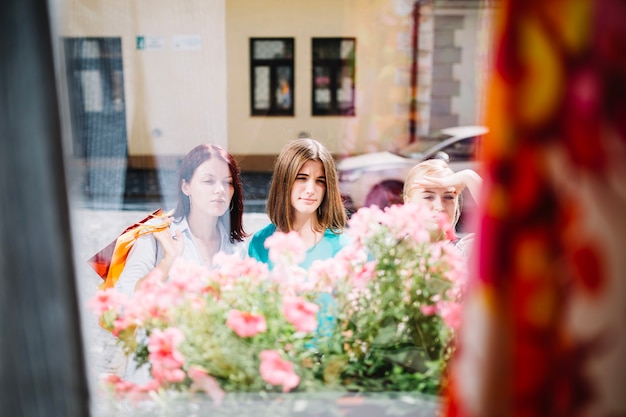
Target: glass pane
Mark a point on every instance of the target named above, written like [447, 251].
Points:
[347, 49]
[261, 88]
[117, 85]
[90, 49]
[326, 49]
[178, 98]
[345, 89]
[322, 77]
[321, 87]
[284, 88]
[272, 49]
[92, 90]
[462, 150]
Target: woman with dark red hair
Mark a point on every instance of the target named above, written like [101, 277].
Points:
[207, 220]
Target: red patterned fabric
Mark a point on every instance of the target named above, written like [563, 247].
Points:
[543, 331]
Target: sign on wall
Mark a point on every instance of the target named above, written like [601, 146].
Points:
[146, 42]
[187, 42]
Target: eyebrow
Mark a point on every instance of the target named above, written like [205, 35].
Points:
[425, 191]
[304, 174]
[209, 175]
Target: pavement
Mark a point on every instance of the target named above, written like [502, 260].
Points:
[93, 230]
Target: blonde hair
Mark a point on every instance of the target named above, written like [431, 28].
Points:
[432, 168]
[331, 213]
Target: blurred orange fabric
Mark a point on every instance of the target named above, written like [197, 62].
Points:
[109, 262]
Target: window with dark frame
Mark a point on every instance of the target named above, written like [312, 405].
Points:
[333, 76]
[272, 76]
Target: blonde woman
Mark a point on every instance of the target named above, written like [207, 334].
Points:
[432, 183]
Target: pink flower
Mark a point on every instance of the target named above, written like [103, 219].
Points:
[364, 223]
[444, 224]
[300, 313]
[201, 380]
[167, 361]
[428, 310]
[246, 324]
[286, 248]
[153, 280]
[363, 274]
[232, 267]
[276, 371]
[187, 276]
[105, 300]
[119, 385]
[450, 312]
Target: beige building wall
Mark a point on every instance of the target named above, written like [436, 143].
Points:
[175, 90]
[382, 29]
[177, 98]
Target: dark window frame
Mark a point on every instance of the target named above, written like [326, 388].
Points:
[273, 64]
[334, 67]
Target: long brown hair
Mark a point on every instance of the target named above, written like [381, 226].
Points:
[196, 157]
[331, 213]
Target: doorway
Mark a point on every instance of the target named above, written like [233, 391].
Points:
[95, 79]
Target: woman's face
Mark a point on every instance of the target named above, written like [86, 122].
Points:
[309, 188]
[438, 200]
[210, 189]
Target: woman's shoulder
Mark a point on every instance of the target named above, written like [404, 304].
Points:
[340, 239]
[465, 244]
[264, 232]
[256, 247]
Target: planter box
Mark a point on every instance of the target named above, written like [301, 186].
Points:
[402, 404]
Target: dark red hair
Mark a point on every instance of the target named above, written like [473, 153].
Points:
[196, 157]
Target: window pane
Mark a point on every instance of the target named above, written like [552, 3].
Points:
[272, 86]
[92, 90]
[90, 49]
[326, 49]
[321, 81]
[347, 49]
[345, 88]
[283, 88]
[272, 49]
[117, 87]
[261, 88]
[333, 76]
[461, 150]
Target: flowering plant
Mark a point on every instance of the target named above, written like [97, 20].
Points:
[379, 316]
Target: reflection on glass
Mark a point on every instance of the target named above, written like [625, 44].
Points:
[219, 93]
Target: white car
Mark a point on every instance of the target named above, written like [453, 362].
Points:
[378, 178]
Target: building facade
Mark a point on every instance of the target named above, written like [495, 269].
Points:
[158, 77]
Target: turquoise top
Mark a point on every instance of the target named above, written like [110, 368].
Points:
[328, 247]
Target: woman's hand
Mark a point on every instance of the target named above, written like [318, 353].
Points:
[466, 178]
[172, 245]
[172, 248]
